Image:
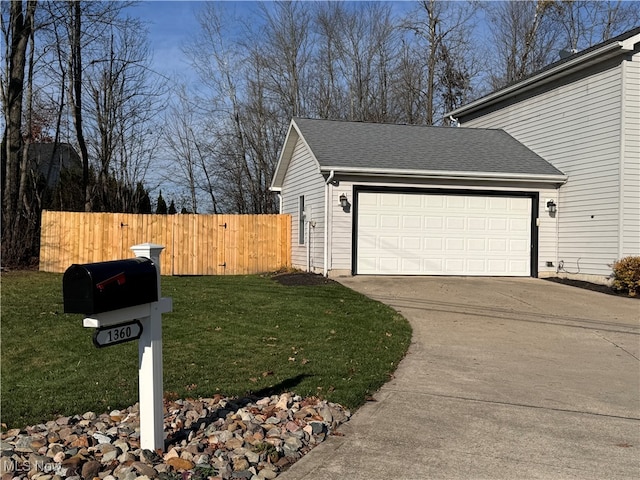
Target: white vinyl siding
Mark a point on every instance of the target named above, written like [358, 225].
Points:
[576, 127]
[630, 196]
[340, 231]
[304, 179]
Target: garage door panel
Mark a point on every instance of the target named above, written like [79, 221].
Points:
[391, 243]
[477, 203]
[499, 266]
[498, 224]
[477, 224]
[435, 245]
[389, 221]
[412, 264]
[368, 200]
[477, 266]
[443, 234]
[390, 264]
[434, 223]
[498, 203]
[453, 265]
[476, 245]
[391, 200]
[411, 201]
[412, 243]
[453, 202]
[455, 223]
[434, 201]
[498, 245]
[365, 221]
[454, 245]
[518, 246]
[412, 222]
[516, 205]
[519, 224]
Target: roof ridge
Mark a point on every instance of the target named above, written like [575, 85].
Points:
[390, 124]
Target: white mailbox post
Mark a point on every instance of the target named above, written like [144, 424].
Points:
[149, 351]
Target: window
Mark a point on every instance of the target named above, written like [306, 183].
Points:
[301, 220]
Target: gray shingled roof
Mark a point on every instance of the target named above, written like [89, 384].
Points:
[377, 146]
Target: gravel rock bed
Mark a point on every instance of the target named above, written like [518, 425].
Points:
[206, 439]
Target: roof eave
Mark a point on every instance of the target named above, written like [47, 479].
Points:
[578, 63]
[448, 175]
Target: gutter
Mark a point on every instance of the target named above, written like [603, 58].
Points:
[450, 175]
[325, 270]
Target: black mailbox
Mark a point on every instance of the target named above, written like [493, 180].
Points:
[105, 286]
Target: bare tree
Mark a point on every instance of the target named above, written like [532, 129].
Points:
[436, 26]
[527, 35]
[327, 98]
[191, 152]
[523, 37]
[121, 117]
[582, 23]
[409, 87]
[241, 115]
[17, 30]
[284, 53]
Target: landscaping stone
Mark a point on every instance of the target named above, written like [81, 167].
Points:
[90, 469]
[144, 469]
[213, 438]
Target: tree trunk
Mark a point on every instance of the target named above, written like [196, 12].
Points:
[75, 94]
[20, 27]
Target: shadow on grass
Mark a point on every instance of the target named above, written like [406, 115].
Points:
[282, 387]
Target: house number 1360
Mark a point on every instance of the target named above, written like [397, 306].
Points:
[125, 332]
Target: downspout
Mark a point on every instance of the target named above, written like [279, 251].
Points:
[621, 165]
[326, 223]
[308, 245]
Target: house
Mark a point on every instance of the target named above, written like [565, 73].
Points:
[582, 115]
[50, 159]
[370, 198]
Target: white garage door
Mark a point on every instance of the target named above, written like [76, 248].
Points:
[417, 234]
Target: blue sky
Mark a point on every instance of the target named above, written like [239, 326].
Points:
[173, 23]
[170, 24]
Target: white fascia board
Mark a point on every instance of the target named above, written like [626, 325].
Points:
[559, 71]
[449, 175]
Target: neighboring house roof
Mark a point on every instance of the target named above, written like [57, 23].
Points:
[359, 148]
[50, 159]
[620, 45]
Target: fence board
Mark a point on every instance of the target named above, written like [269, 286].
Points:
[194, 244]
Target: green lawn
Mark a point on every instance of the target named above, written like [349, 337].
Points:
[228, 335]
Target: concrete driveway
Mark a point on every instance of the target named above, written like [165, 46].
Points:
[505, 379]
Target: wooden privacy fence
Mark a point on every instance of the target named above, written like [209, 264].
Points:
[195, 244]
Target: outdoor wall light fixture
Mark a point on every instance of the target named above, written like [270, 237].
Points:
[551, 206]
[344, 203]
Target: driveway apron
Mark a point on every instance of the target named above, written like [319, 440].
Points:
[504, 379]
